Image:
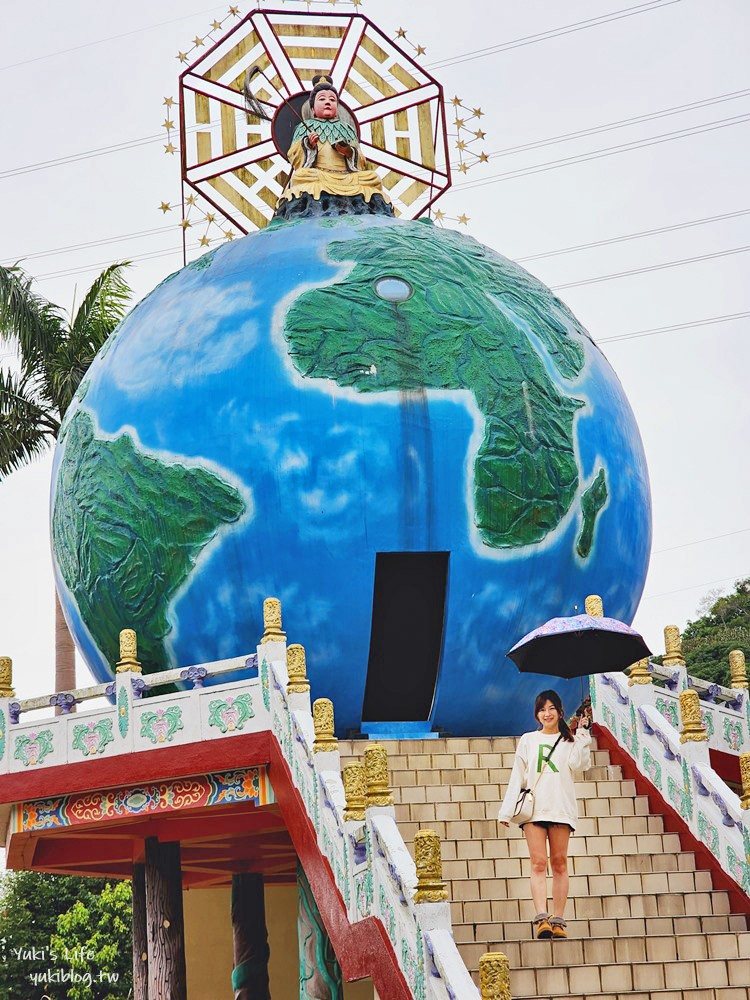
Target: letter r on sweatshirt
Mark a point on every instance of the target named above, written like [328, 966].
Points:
[543, 756]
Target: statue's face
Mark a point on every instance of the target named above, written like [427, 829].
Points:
[326, 104]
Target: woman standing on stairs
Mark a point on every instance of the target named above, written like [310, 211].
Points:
[545, 761]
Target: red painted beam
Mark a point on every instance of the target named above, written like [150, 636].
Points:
[726, 765]
[739, 902]
[363, 949]
[159, 764]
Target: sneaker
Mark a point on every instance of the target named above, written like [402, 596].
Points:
[542, 926]
[558, 927]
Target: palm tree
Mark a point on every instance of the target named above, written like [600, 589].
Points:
[54, 353]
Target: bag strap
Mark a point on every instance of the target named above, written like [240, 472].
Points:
[546, 761]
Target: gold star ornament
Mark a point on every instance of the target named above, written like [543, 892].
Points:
[186, 223]
[169, 148]
[165, 207]
[463, 220]
[204, 241]
[169, 101]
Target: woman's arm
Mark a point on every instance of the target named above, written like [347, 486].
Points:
[518, 778]
[580, 753]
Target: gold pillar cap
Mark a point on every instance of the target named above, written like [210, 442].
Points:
[355, 790]
[376, 774]
[738, 669]
[128, 653]
[693, 730]
[6, 677]
[673, 647]
[325, 740]
[296, 666]
[594, 606]
[430, 885]
[639, 673]
[494, 976]
[272, 621]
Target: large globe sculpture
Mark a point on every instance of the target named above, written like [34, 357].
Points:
[317, 411]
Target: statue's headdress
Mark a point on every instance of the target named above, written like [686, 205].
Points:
[321, 82]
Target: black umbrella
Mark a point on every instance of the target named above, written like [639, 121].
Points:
[580, 645]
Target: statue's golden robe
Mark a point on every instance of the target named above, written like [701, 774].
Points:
[330, 174]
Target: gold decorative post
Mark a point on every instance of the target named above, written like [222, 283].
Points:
[272, 621]
[376, 775]
[430, 885]
[595, 608]
[6, 677]
[297, 669]
[673, 647]
[693, 730]
[355, 789]
[128, 653]
[324, 727]
[494, 976]
[639, 673]
[737, 669]
[745, 776]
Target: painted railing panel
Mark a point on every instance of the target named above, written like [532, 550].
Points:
[645, 720]
[133, 723]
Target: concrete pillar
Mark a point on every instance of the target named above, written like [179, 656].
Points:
[140, 935]
[167, 975]
[319, 971]
[250, 939]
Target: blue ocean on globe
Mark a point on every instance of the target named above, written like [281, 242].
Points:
[280, 413]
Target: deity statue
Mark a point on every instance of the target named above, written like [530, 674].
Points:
[330, 176]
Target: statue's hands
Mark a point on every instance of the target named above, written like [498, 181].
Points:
[312, 138]
[343, 148]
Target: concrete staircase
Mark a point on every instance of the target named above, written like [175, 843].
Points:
[644, 924]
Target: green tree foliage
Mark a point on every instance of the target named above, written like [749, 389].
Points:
[35, 908]
[94, 940]
[724, 626]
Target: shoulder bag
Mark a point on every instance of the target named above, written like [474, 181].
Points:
[525, 802]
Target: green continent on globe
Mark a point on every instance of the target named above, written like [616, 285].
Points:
[592, 501]
[457, 316]
[127, 530]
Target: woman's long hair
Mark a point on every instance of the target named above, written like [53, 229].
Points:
[541, 700]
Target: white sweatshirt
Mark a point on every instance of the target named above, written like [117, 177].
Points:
[554, 796]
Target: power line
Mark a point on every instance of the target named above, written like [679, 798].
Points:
[607, 151]
[543, 36]
[622, 123]
[710, 321]
[92, 243]
[697, 586]
[109, 38]
[633, 236]
[652, 267]
[698, 541]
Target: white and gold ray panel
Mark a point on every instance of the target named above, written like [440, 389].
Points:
[230, 158]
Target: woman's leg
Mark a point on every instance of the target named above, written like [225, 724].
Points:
[536, 838]
[559, 835]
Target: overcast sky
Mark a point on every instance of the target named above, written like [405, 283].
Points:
[90, 74]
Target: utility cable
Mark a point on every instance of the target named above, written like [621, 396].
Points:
[648, 270]
[599, 153]
[709, 321]
[698, 541]
[543, 36]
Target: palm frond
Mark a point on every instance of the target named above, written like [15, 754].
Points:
[104, 305]
[26, 427]
[27, 319]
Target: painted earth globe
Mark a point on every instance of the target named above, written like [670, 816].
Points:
[401, 434]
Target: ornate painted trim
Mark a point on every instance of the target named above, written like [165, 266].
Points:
[230, 714]
[93, 737]
[250, 784]
[161, 725]
[32, 749]
[123, 711]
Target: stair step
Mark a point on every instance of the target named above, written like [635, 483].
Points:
[498, 935]
[673, 904]
[653, 949]
[647, 977]
[584, 885]
[719, 993]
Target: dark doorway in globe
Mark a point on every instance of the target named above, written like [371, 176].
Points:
[408, 613]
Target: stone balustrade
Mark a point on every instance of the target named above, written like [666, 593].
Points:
[667, 721]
